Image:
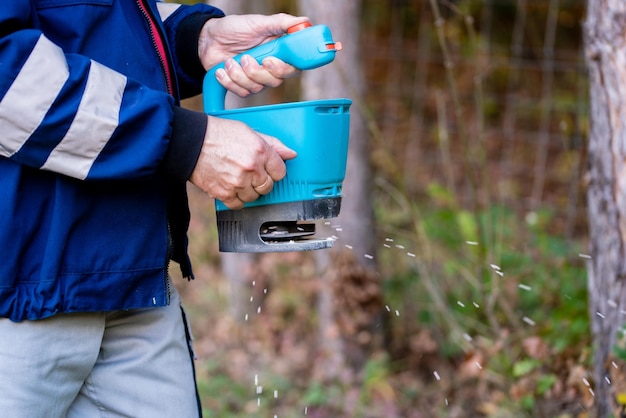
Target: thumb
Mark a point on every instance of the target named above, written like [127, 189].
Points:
[281, 149]
[278, 24]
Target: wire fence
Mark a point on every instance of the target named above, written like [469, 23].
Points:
[491, 89]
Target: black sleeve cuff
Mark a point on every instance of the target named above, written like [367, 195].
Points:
[188, 130]
[187, 43]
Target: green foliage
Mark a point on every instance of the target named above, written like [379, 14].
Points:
[545, 383]
[619, 348]
[324, 396]
[226, 396]
[522, 367]
[492, 278]
[222, 396]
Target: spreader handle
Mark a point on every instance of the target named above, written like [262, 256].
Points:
[304, 47]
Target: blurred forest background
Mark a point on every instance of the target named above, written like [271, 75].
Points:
[478, 117]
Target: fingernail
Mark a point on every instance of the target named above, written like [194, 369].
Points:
[268, 63]
[220, 73]
[245, 60]
[229, 64]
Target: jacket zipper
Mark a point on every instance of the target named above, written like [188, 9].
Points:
[170, 246]
[159, 45]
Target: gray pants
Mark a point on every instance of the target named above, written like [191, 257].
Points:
[119, 364]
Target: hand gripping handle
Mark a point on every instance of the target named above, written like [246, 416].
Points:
[304, 46]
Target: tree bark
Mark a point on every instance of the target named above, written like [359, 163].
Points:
[344, 78]
[349, 299]
[239, 268]
[605, 50]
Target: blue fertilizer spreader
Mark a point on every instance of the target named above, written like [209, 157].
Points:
[318, 131]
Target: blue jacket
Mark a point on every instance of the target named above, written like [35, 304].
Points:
[95, 151]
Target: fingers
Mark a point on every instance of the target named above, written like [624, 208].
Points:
[249, 194]
[279, 23]
[250, 77]
[265, 187]
[279, 69]
[288, 21]
[234, 80]
[256, 189]
[283, 151]
[262, 181]
[231, 35]
[238, 164]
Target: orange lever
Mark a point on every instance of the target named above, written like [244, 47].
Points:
[337, 46]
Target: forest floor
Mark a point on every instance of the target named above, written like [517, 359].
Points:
[260, 359]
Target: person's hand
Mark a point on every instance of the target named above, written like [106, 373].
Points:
[237, 164]
[223, 38]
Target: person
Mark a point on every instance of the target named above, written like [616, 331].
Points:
[95, 154]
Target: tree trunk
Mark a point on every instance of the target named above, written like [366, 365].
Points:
[349, 300]
[605, 48]
[239, 268]
[344, 78]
